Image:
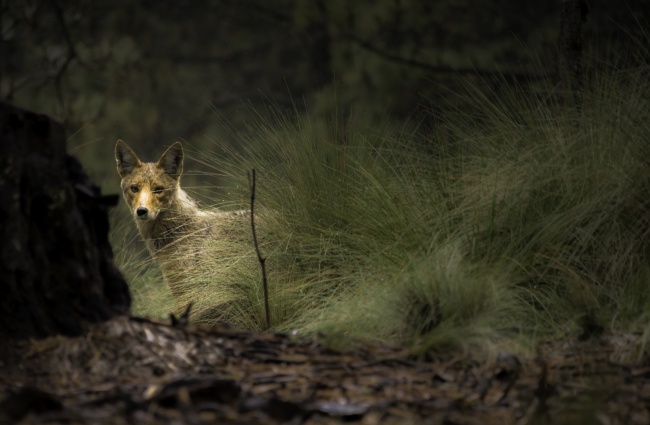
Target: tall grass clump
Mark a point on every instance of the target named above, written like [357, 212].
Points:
[524, 215]
[331, 210]
[368, 218]
[560, 191]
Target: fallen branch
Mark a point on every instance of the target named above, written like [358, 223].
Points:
[262, 260]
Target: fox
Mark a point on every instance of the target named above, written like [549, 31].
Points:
[176, 231]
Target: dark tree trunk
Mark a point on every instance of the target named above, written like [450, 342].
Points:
[572, 14]
[56, 271]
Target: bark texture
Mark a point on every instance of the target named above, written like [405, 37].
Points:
[56, 264]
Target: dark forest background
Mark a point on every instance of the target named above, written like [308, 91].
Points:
[151, 72]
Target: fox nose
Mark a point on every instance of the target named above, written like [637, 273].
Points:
[141, 211]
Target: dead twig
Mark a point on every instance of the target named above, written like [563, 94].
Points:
[262, 260]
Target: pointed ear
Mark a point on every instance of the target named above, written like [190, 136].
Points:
[126, 159]
[172, 161]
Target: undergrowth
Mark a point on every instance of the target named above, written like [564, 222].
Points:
[524, 217]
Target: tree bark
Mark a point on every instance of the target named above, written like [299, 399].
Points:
[572, 14]
[56, 272]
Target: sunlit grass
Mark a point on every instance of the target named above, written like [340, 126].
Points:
[525, 218]
[150, 295]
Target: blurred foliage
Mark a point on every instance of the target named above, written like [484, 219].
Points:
[154, 71]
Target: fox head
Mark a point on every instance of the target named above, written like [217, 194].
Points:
[149, 188]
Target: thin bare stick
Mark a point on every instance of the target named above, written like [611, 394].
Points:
[262, 260]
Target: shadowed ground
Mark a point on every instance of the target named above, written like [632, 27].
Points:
[132, 370]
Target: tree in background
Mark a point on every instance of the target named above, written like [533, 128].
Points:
[154, 71]
[572, 16]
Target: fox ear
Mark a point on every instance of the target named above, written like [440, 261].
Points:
[126, 159]
[172, 160]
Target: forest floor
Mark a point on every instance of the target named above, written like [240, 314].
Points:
[132, 370]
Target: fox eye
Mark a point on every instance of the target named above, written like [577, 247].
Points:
[135, 189]
[158, 189]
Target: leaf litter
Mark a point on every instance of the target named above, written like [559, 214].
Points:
[132, 370]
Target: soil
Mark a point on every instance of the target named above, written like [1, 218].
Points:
[135, 371]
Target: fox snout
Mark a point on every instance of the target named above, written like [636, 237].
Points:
[144, 213]
[144, 204]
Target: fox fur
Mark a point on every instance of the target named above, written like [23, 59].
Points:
[173, 227]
